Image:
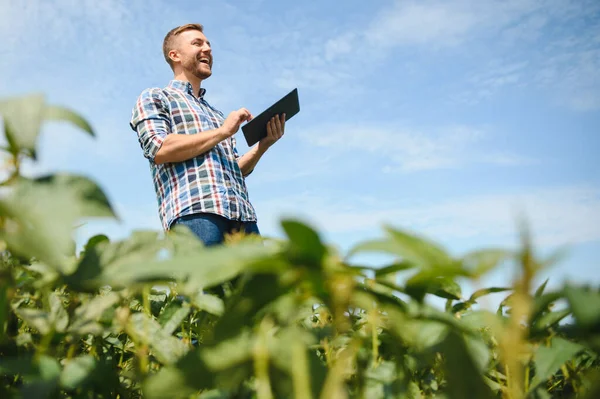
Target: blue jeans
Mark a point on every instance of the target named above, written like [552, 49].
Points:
[211, 228]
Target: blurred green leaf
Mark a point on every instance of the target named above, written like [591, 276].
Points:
[42, 229]
[541, 288]
[305, 243]
[479, 352]
[585, 305]
[172, 319]
[37, 319]
[462, 374]
[480, 262]
[422, 283]
[486, 291]
[22, 118]
[5, 284]
[77, 371]
[141, 246]
[414, 392]
[548, 320]
[209, 303]
[94, 241]
[208, 267]
[548, 359]
[409, 247]
[394, 268]
[58, 317]
[165, 347]
[541, 305]
[88, 313]
[57, 113]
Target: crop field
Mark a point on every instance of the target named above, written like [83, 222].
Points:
[160, 316]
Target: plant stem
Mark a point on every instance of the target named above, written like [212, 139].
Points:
[374, 338]
[300, 373]
[261, 362]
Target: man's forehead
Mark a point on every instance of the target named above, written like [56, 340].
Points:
[191, 34]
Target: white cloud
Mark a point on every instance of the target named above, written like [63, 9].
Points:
[410, 150]
[575, 75]
[557, 215]
[497, 75]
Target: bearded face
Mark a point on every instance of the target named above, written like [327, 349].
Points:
[195, 53]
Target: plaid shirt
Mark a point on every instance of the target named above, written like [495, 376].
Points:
[211, 182]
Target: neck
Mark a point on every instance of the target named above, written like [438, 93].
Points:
[194, 80]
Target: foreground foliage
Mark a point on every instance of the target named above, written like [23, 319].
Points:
[159, 316]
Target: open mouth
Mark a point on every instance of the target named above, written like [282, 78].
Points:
[204, 61]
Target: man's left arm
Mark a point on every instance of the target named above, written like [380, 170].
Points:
[275, 130]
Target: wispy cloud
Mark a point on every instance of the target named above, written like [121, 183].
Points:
[411, 150]
[557, 215]
[485, 84]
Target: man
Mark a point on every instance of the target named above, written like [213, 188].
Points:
[197, 172]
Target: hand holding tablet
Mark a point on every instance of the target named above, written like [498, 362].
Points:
[256, 129]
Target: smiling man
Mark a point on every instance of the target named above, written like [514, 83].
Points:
[198, 174]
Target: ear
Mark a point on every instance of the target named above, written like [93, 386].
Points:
[174, 55]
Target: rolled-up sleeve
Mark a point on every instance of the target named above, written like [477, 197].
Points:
[150, 120]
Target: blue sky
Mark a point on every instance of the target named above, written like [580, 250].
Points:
[450, 118]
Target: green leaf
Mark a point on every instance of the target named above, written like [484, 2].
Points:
[209, 267]
[548, 320]
[462, 374]
[140, 247]
[409, 247]
[305, 243]
[394, 268]
[479, 352]
[413, 391]
[209, 303]
[225, 365]
[419, 335]
[447, 288]
[171, 323]
[43, 229]
[423, 283]
[36, 318]
[548, 359]
[480, 262]
[94, 241]
[58, 315]
[56, 113]
[87, 315]
[165, 347]
[5, 285]
[585, 305]
[541, 288]
[22, 119]
[486, 291]
[77, 371]
[23, 365]
[541, 305]
[462, 306]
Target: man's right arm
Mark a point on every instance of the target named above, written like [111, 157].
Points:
[152, 122]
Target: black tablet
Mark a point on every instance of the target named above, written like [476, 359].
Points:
[256, 129]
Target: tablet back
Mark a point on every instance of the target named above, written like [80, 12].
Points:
[256, 129]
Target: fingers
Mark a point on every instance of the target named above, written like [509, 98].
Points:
[270, 130]
[278, 126]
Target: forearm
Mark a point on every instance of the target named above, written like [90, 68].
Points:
[249, 160]
[181, 147]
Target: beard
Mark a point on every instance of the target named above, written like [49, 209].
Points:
[198, 69]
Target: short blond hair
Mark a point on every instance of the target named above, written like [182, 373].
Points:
[169, 39]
